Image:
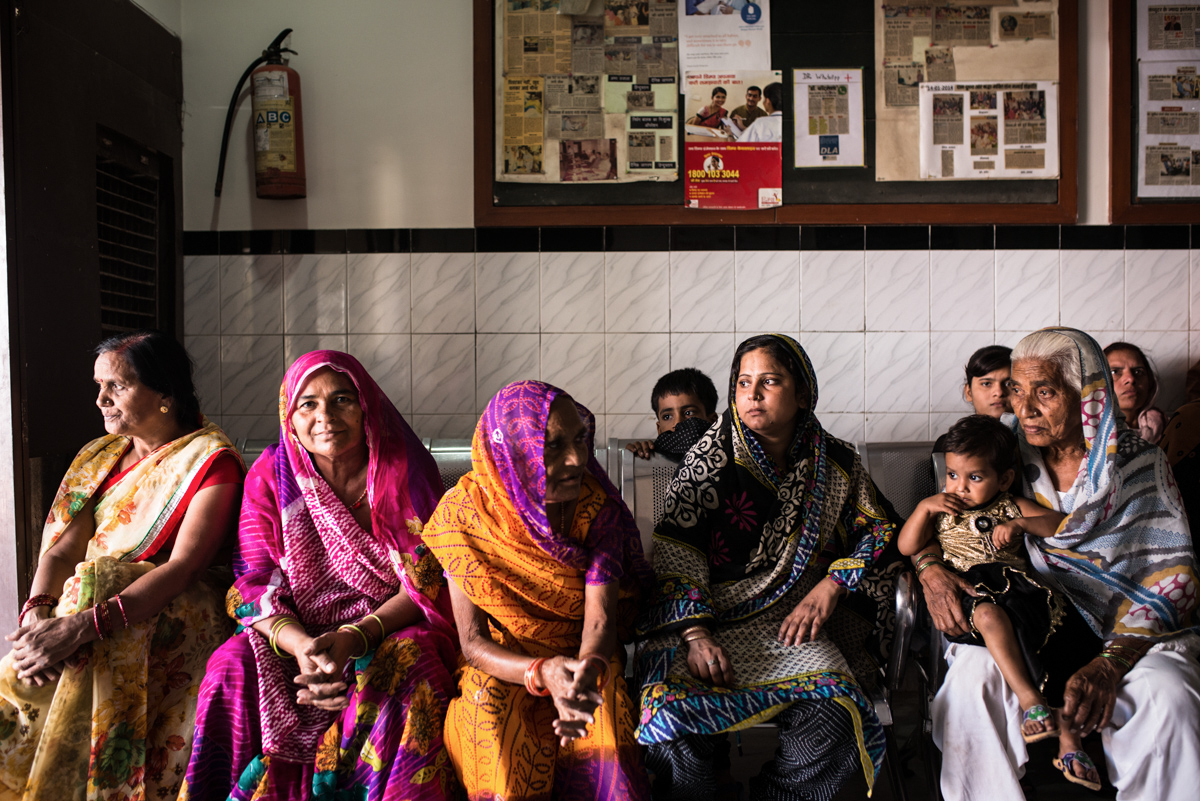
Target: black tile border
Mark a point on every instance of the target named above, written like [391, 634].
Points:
[1158, 237]
[201, 243]
[506, 240]
[443, 240]
[832, 237]
[702, 237]
[767, 237]
[1093, 237]
[634, 238]
[897, 237]
[1027, 237]
[378, 240]
[692, 238]
[962, 237]
[573, 240]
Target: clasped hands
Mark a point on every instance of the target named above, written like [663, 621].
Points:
[322, 662]
[573, 689]
[42, 644]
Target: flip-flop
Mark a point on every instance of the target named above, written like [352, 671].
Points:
[1064, 764]
[1038, 713]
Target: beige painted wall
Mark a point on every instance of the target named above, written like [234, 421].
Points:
[387, 111]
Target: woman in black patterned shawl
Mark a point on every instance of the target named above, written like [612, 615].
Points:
[771, 539]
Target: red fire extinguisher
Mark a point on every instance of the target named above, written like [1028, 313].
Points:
[278, 133]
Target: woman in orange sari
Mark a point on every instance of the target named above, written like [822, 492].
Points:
[545, 566]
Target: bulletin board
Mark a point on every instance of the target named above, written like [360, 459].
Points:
[1131, 119]
[816, 35]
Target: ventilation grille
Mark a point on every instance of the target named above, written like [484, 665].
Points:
[127, 228]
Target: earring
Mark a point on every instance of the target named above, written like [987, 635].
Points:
[163, 408]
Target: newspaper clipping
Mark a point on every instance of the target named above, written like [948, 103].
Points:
[901, 84]
[828, 109]
[587, 160]
[651, 142]
[948, 119]
[989, 130]
[587, 91]
[537, 39]
[832, 101]
[1170, 164]
[1168, 127]
[962, 26]
[523, 113]
[1173, 27]
[985, 136]
[1020, 27]
[1173, 121]
[1184, 85]
[1025, 117]
[939, 64]
[587, 44]
[903, 24]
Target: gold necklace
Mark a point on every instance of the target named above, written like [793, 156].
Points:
[358, 502]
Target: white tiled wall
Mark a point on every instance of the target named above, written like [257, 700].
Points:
[888, 331]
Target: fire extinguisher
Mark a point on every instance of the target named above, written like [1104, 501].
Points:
[278, 132]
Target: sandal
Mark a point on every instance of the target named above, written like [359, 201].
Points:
[1064, 764]
[1038, 713]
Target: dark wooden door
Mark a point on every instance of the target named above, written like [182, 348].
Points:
[92, 95]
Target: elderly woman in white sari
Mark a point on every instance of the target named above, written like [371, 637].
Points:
[1123, 557]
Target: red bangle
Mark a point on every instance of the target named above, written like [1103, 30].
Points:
[531, 675]
[45, 599]
[121, 607]
[96, 622]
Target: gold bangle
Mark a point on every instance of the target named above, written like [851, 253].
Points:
[382, 631]
[279, 626]
[700, 635]
[360, 633]
[693, 630]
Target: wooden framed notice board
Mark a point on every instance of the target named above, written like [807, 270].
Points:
[803, 34]
[1155, 114]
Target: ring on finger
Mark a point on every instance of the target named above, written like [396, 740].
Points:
[711, 662]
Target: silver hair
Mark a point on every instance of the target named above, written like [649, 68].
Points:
[1056, 349]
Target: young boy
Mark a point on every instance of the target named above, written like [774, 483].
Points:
[686, 397]
[979, 527]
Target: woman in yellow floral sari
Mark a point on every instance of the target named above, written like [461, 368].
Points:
[98, 697]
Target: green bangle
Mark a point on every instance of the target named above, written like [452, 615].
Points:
[929, 564]
[926, 555]
[1117, 659]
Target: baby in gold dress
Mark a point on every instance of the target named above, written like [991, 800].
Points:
[980, 528]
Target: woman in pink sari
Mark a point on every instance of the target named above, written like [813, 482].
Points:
[337, 682]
